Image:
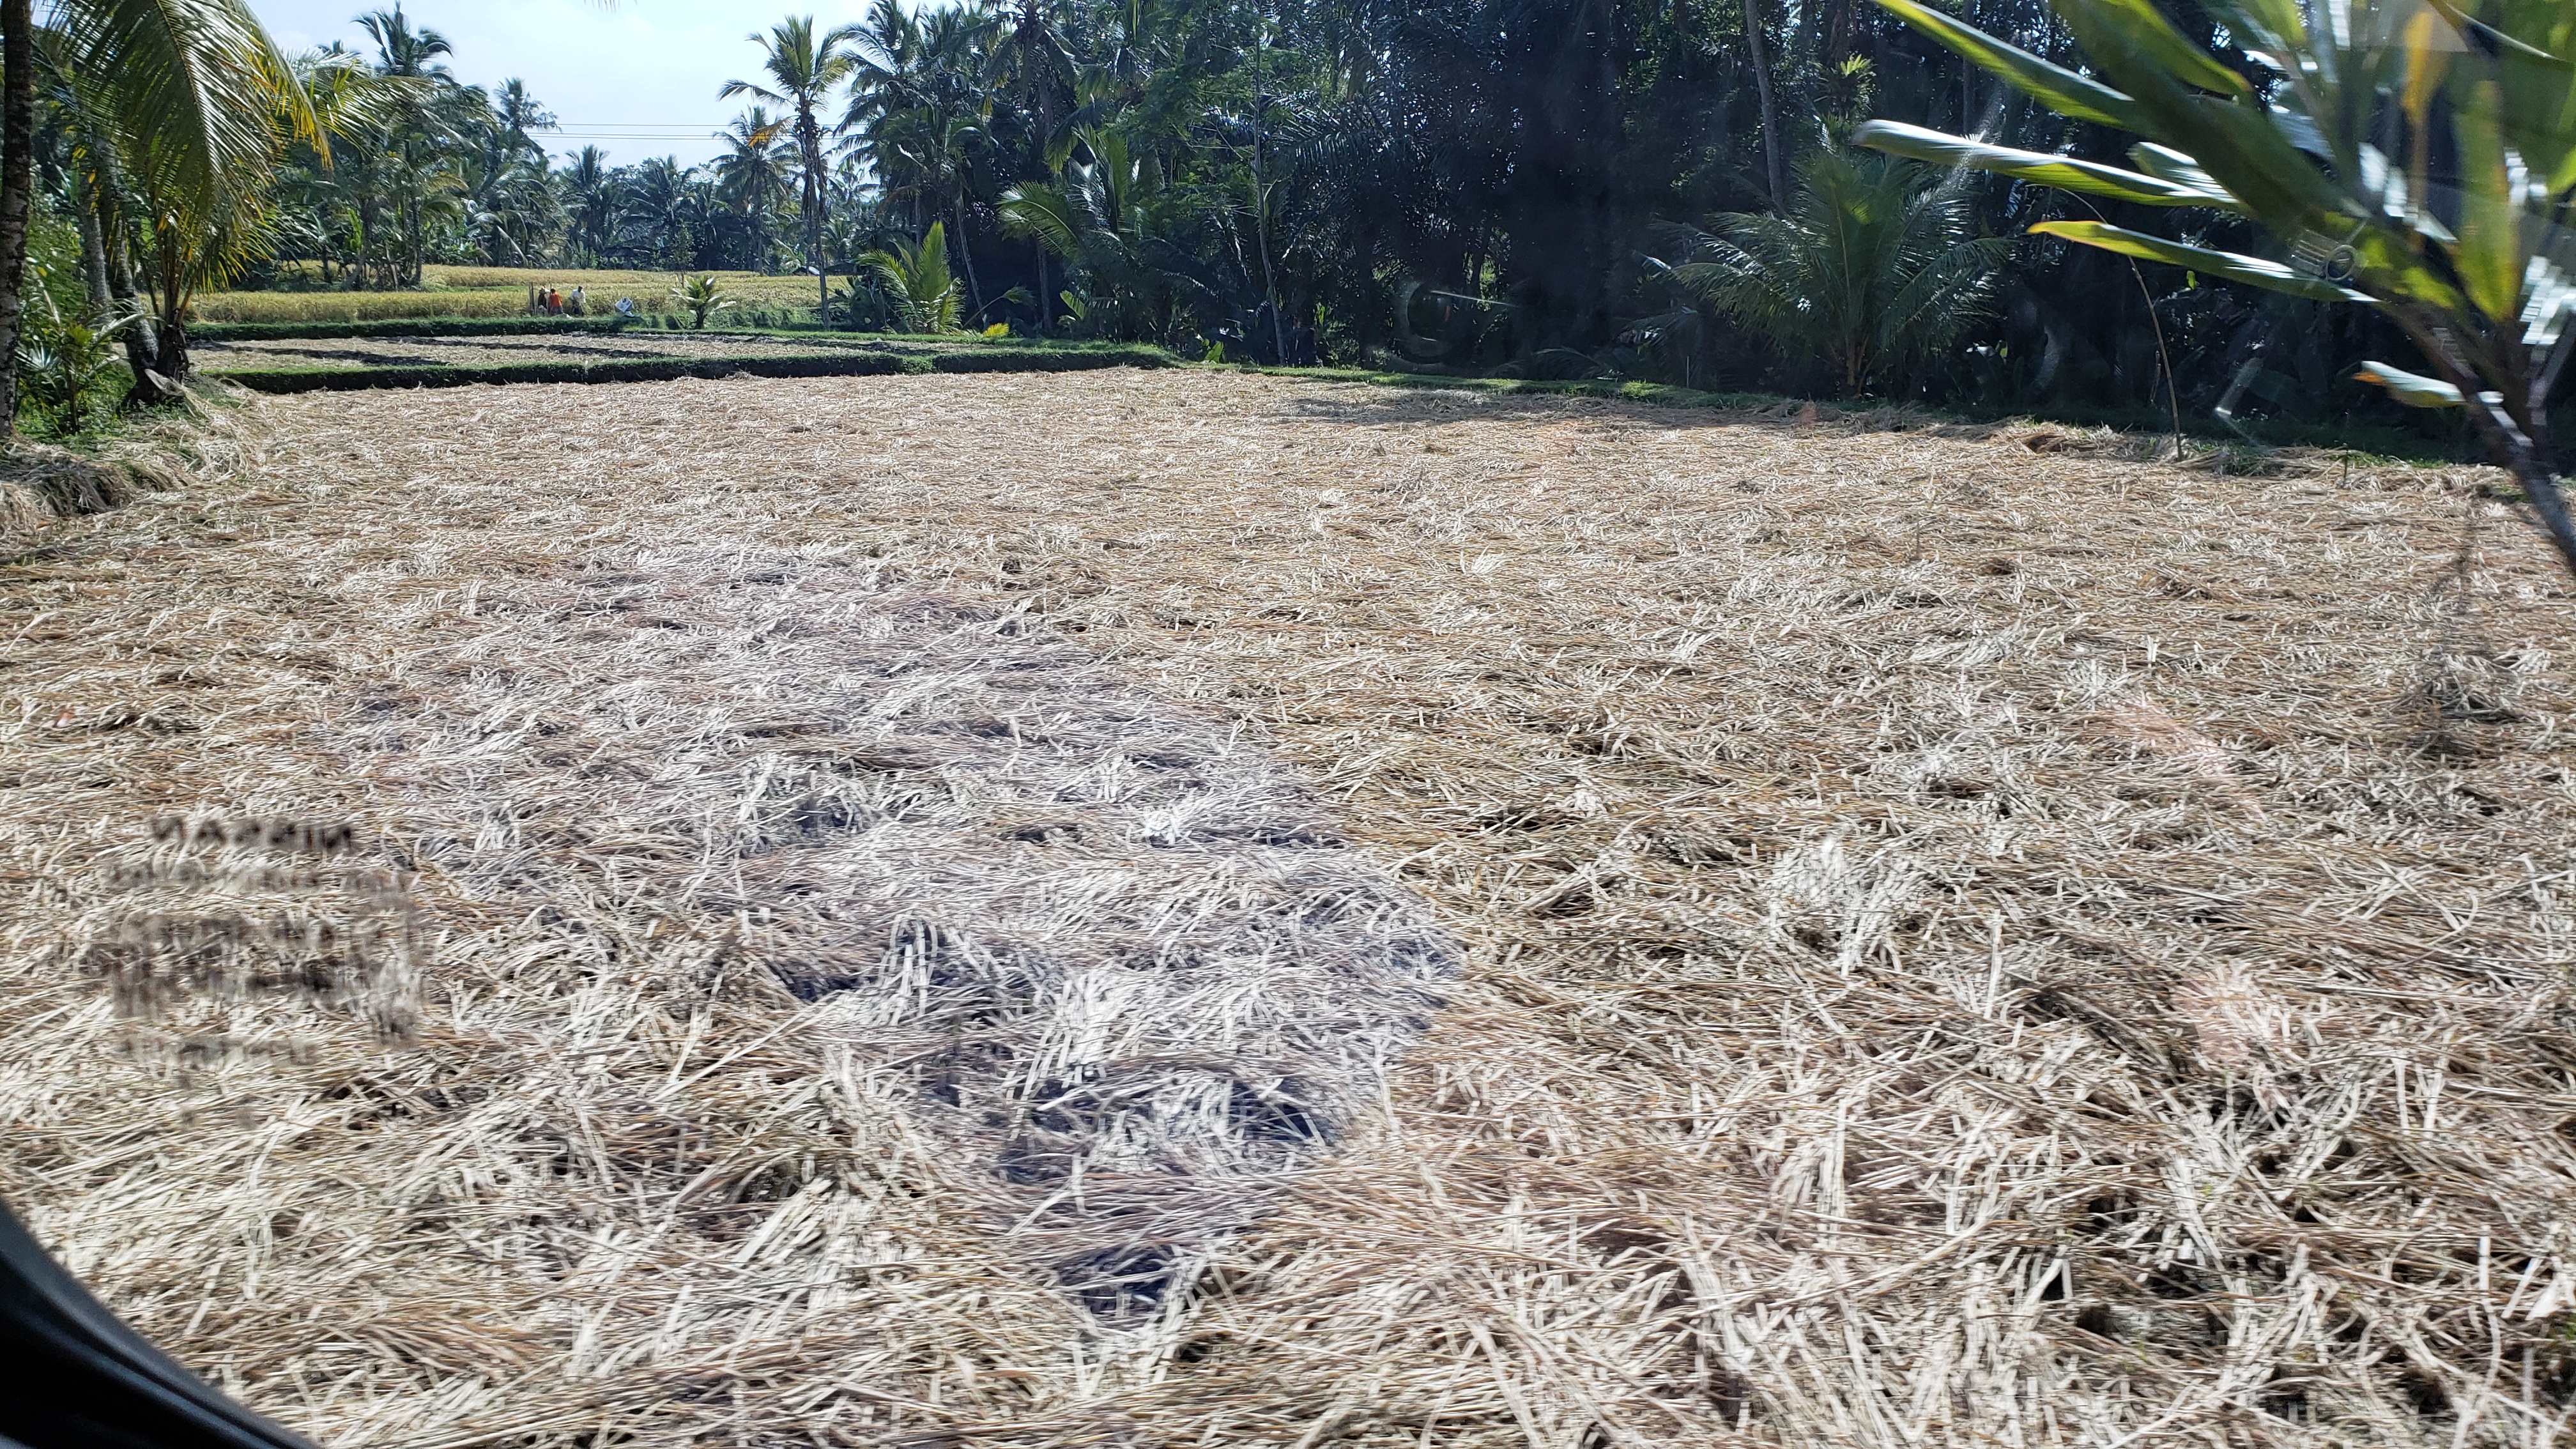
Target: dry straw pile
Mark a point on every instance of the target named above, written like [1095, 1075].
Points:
[1159, 908]
[203, 442]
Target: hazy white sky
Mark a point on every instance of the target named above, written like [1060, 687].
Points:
[637, 78]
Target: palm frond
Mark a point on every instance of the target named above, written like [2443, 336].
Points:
[1871, 264]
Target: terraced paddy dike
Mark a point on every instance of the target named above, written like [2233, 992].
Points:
[296, 352]
[329, 364]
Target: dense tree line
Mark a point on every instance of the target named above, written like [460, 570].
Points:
[1640, 188]
[1654, 189]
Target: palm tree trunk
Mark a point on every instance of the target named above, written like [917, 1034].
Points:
[973, 286]
[811, 136]
[1773, 171]
[17, 157]
[173, 329]
[1364, 267]
[2539, 483]
[2519, 442]
[1260, 199]
[1269, 284]
[93, 245]
[142, 350]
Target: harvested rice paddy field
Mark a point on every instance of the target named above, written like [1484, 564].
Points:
[1155, 908]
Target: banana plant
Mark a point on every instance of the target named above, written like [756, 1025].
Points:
[2418, 156]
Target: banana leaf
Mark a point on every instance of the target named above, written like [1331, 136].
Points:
[2054, 86]
[2155, 41]
[1899, 139]
[2488, 257]
[2412, 389]
[2235, 267]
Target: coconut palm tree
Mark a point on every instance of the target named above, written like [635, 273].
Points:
[182, 104]
[752, 173]
[1111, 219]
[932, 149]
[805, 68]
[194, 108]
[592, 194]
[403, 51]
[412, 55]
[518, 113]
[661, 218]
[889, 65]
[921, 110]
[355, 186]
[514, 207]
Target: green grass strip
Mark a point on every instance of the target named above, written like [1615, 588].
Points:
[407, 327]
[642, 369]
[1049, 359]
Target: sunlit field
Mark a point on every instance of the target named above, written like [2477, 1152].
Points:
[486, 292]
[1198, 908]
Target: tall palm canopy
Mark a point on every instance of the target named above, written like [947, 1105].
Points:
[753, 171]
[519, 114]
[403, 51]
[803, 69]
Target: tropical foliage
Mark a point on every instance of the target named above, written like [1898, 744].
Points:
[2419, 158]
[805, 70]
[1873, 265]
[1556, 188]
[917, 281]
[167, 119]
[700, 295]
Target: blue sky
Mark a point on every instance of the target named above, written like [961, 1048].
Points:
[636, 78]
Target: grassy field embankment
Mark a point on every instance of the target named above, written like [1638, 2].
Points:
[567, 353]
